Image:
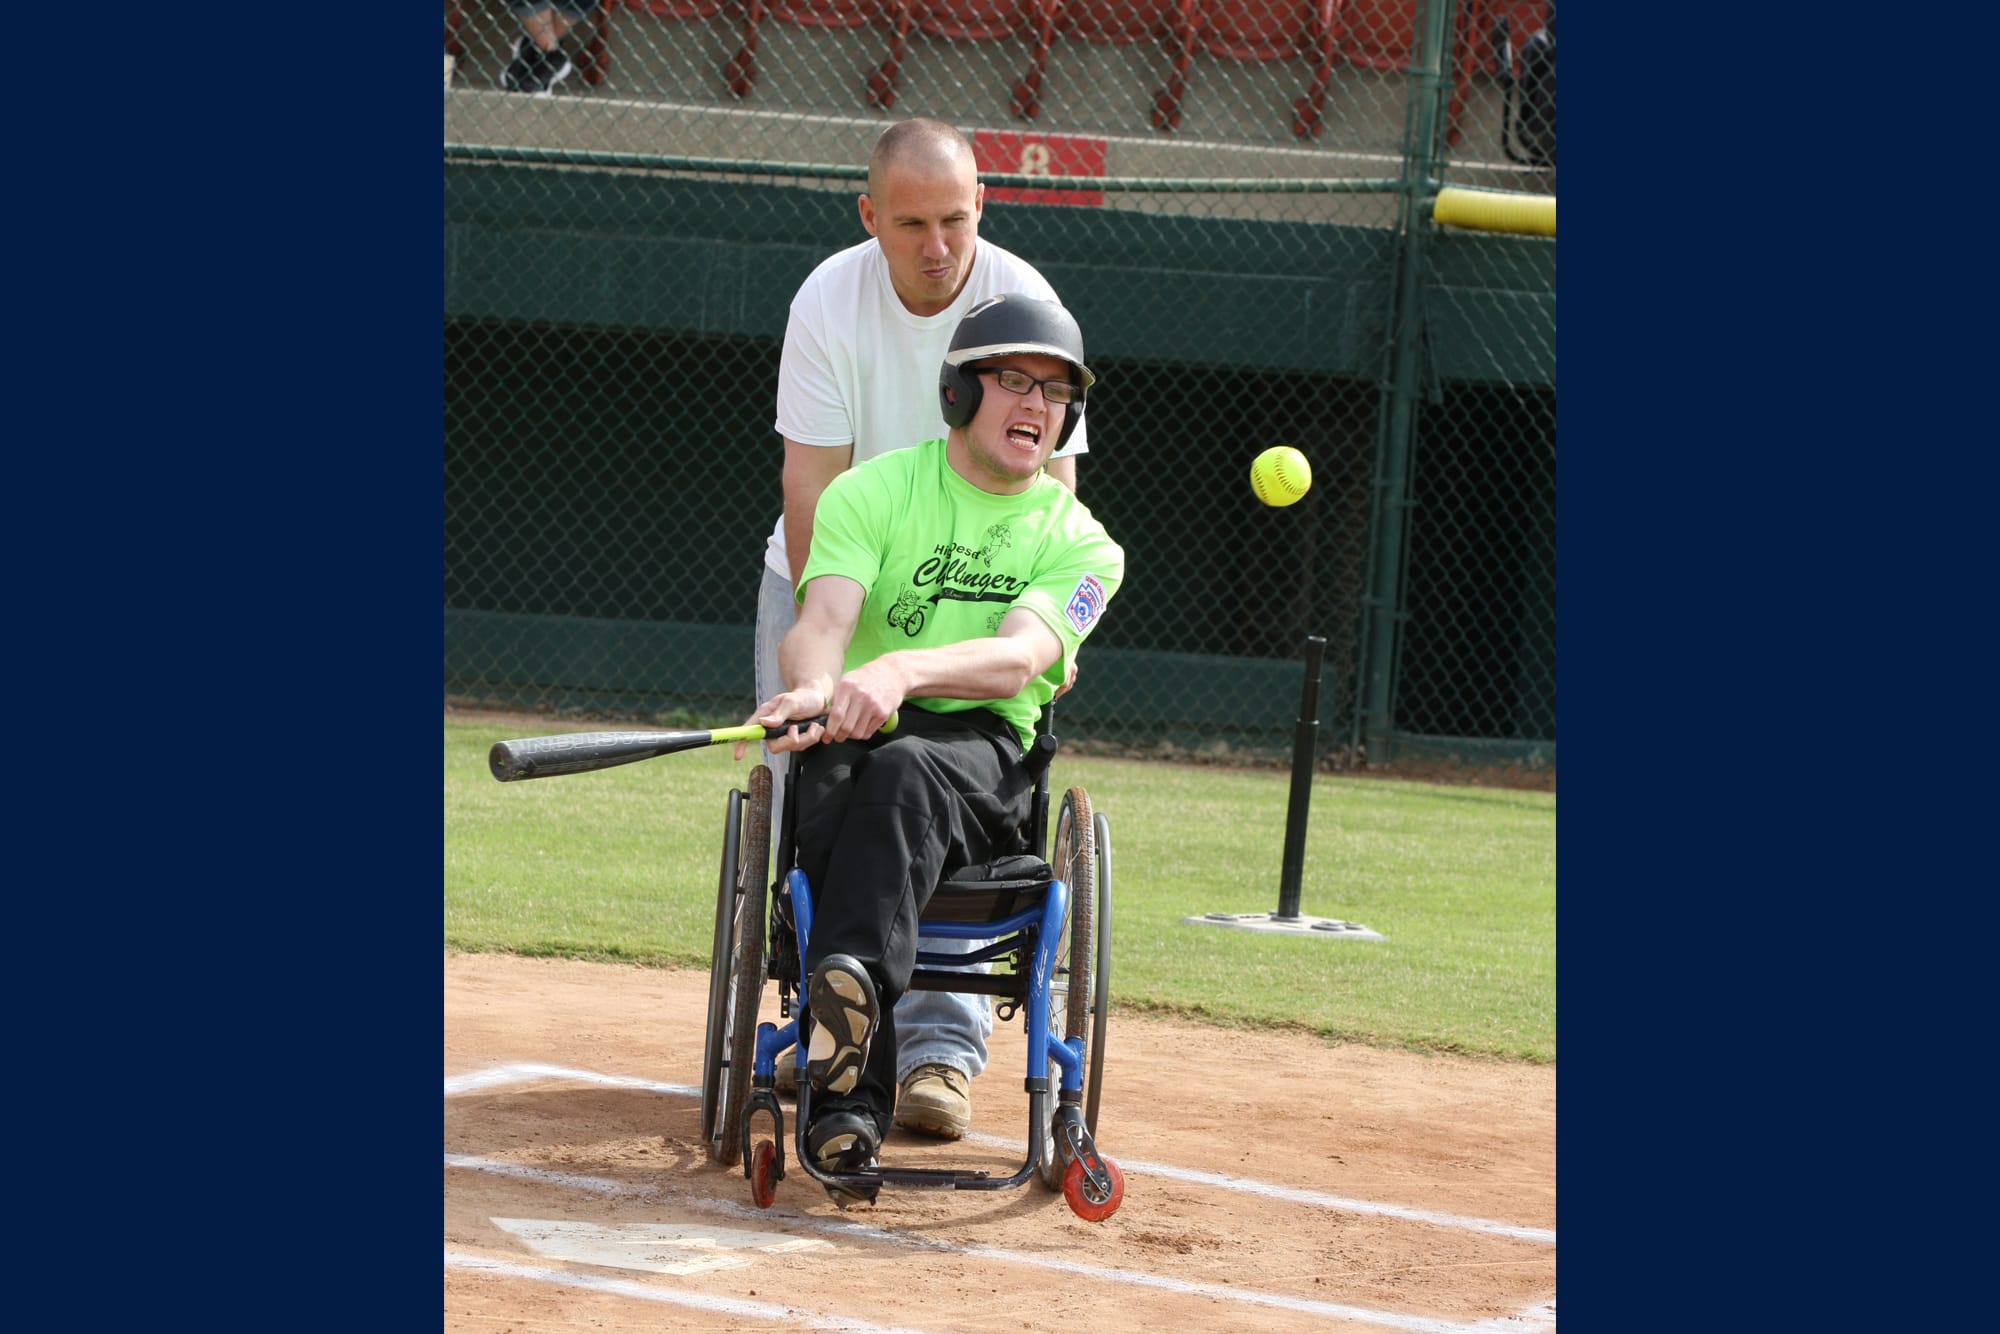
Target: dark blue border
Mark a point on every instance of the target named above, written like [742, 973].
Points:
[1637, 571]
[1743, 670]
[226, 645]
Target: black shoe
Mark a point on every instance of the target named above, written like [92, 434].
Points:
[533, 70]
[844, 1013]
[524, 68]
[842, 1139]
[556, 67]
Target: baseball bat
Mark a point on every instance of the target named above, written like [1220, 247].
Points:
[582, 752]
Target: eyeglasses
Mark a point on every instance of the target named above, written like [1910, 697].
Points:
[1020, 382]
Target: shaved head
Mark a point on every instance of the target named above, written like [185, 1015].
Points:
[926, 148]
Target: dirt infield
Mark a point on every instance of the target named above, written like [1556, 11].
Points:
[1271, 1182]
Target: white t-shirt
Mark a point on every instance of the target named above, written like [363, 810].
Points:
[859, 367]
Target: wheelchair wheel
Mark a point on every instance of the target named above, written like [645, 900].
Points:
[743, 984]
[716, 1038]
[1100, 996]
[1079, 988]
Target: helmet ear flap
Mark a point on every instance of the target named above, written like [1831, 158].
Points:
[1072, 415]
[958, 395]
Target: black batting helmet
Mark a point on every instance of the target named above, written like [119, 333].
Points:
[1008, 323]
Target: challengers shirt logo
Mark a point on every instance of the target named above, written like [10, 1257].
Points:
[1086, 604]
[951, 573]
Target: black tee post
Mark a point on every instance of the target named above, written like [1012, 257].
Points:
[1304, 745]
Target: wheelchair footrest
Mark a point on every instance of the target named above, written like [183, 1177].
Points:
[920, 1178]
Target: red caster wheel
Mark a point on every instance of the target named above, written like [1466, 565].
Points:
[764, 1185]
[1082, 1206]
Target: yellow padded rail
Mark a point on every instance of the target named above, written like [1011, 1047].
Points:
[1491, 211]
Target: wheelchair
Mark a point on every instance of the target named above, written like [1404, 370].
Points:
[1045, 915]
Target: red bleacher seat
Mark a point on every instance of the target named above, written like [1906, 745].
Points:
[1112, 22]
[740, 74]
[954, 20]
[1382, 34]
[1524, 19]
[827, 13]
[1263, 30]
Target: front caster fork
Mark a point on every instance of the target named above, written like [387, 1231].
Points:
[1077, 1147]
[763, 1098]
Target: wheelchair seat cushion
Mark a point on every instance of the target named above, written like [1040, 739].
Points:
[990, 891]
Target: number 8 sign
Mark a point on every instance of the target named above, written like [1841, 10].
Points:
[1011, 153]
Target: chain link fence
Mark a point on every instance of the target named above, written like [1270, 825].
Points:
[1237, 198]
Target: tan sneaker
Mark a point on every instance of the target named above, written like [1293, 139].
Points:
[934, 1101]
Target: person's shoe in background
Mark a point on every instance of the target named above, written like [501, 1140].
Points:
[523, 72]
[556, 67]
[935, 1100]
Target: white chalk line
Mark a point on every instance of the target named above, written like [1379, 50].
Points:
[625, 1287]
[520, 1073]
[1546, 1236]
[1538, 1318]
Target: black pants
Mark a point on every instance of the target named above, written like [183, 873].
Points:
[879, 823]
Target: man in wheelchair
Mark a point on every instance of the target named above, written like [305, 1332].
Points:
[950, 585]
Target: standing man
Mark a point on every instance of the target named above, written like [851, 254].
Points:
[868, 330]
[965, 651]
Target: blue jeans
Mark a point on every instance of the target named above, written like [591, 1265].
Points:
[932, 1027]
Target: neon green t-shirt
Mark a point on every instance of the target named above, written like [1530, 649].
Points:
[943, 561]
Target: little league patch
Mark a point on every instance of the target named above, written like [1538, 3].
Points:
[1085, 604]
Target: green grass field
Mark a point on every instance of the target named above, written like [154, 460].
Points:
[622, 865]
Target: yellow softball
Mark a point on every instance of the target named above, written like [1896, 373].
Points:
[1280, 475]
